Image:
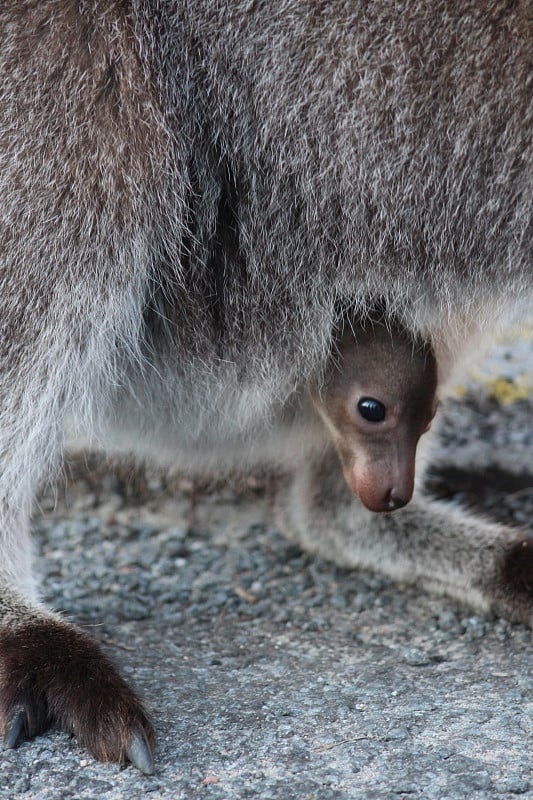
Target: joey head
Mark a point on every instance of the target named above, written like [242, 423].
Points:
[377, 398]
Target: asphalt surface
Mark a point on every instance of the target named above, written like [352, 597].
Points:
[274, 675]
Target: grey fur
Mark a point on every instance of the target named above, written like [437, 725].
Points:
[193, 193]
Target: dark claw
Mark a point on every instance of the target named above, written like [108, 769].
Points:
[139, 753]
[15, 730]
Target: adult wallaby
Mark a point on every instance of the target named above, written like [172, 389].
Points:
[190, 192]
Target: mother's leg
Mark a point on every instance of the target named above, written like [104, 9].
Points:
[50, 670]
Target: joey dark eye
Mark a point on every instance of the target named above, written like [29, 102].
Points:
[371, 410]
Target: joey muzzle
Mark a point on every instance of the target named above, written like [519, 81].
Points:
[383, 485]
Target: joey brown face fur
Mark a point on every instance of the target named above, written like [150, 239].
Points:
[378, 398]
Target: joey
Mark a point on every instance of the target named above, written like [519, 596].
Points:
[378, 397]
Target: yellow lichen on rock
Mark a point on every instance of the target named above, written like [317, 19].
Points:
[507, 391]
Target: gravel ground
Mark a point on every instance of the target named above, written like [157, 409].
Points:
[274, 675]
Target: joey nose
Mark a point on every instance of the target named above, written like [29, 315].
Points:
[393, 501]
[382, 487]
[375, 499]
